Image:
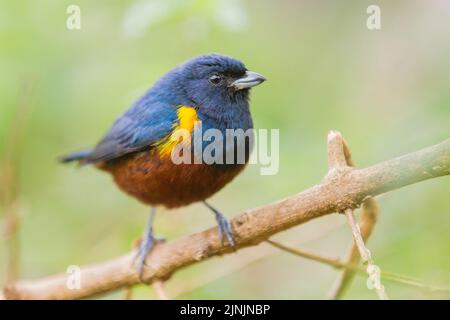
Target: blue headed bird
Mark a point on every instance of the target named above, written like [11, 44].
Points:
[211, 90]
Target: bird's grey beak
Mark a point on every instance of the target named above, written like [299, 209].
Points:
[250, 79]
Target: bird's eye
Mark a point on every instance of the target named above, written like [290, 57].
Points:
[215, 79]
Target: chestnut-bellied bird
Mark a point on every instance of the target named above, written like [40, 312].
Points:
[212, 90]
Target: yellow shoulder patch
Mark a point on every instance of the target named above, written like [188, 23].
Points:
[187, 117]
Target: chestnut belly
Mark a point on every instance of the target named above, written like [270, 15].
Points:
[156, 180]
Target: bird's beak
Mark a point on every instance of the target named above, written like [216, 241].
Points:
[250, 79]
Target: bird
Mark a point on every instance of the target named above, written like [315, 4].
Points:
[210, 91]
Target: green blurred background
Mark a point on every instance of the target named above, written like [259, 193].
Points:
[387, 91]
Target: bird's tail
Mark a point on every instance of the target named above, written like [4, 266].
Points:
[80, 156]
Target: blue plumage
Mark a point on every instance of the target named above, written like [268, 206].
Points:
[153, 116]
[211, 88]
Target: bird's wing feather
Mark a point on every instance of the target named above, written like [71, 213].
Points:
[140, 127]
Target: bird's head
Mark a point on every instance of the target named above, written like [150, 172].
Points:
[213, 82]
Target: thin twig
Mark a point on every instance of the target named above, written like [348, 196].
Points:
[372, 270]
[159, 289]
[368, 218]
[336, 263]
[356, 232]
[128, 293]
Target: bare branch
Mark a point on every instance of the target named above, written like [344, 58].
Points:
[336, 263]
[128, 293]
[341, 189]
[372, 270]
[368, 219]
[159, 288]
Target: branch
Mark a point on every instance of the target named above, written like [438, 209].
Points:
[159, 288]
[372, 270]
[343, 188]
[368, 219]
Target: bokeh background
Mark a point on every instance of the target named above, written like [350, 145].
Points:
[387, 91]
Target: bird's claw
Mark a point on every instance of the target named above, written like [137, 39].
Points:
[225, 231]
[145, 248]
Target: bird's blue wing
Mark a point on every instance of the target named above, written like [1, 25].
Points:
[144, 125]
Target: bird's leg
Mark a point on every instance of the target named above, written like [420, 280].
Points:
[147, 243]
[225, 231]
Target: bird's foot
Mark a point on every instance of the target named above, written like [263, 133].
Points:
[225, 231]
[145, 247]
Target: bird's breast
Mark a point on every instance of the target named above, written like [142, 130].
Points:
[156, 180]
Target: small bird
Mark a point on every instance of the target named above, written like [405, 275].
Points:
[211, 90]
